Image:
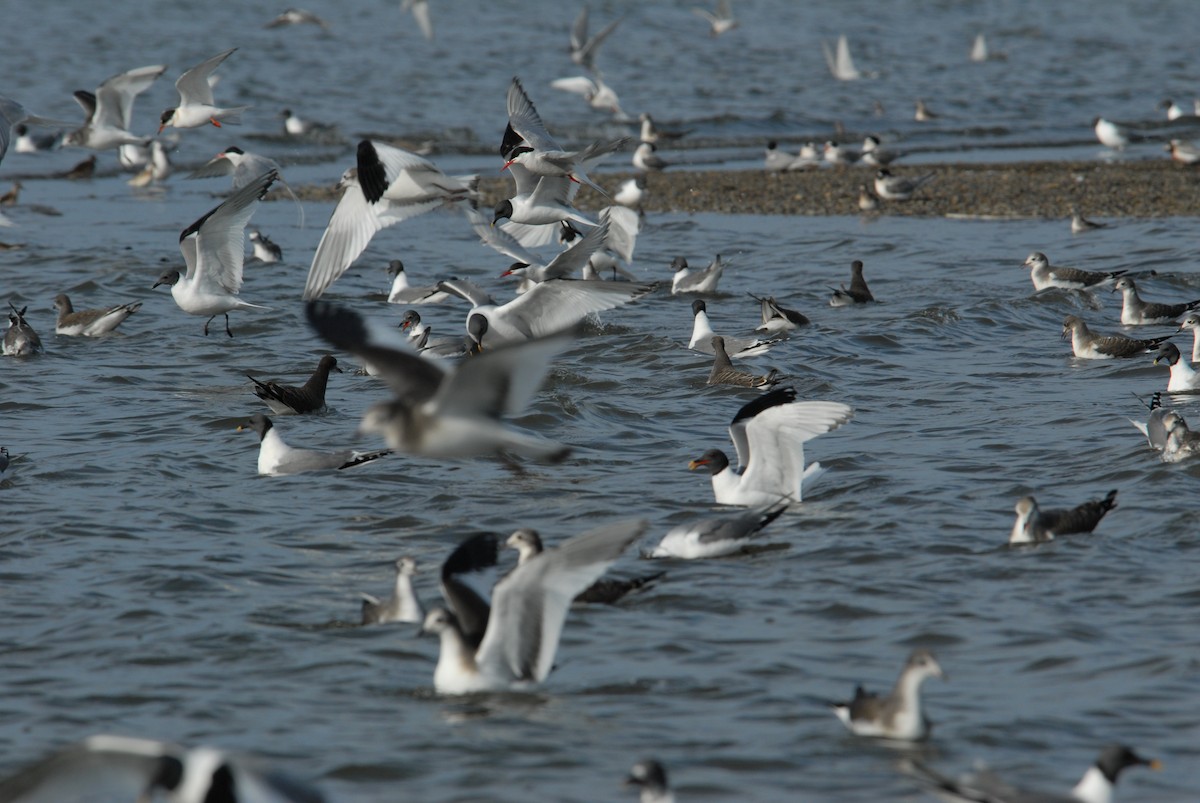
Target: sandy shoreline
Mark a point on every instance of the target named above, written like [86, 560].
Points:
[1158, 188]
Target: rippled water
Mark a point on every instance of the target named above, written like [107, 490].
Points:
[154, 585]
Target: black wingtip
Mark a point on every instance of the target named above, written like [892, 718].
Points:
[477, 552]
[340, 326]
[371, 175]
[766, 401]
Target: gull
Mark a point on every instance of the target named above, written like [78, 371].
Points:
[1182, 442]
[1174, 110]
[1153, 427]
[90, 322]
[867, 202]
[1045, 275]
[548, 307]
[401, 606]
[841, 65]
[1080, 224]
[265, 249]
[421, 338]
[1192, 322]
[723, 372]
[716, 538]
[196, 103]
[292, 400]
[584, 49]
[777, 319]
[124, 767]
[979, 49]
[525, 620]
[1184, 377]
[898, 715]
[651, 777]
[720, 20]
[1097, 785]
[598, 94]
[402, 292]
[809, 158]
[1035, 526]
[277, 459]
[110, 110]
[296, 127]
[214, 251]
[858, 293]
[388, 185]
[1183, 152]
[541, 154]
[769, 435]
[446, 413]
[652, 133]
[14, 114]
[922, 114]
[29, 142]
[420, 12]
[632, 191]
[702, 282]
[702, 335]
[297, 16]
[1088, 346]
[20, 340]
[646, 160]
[898, 188]
[1110, 134]
[776, 160]
[528, 543]
[1135, 312]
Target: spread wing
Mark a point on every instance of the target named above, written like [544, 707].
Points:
[114, 97]
[525, 120]
[193, 85]
[219, 246]
[554, 305]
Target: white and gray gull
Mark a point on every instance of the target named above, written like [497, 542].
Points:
[105, 767]
[276, 458]
[402, 605]
[1089, 346]
[768, 435]
[897, 715]
[1035, 526]
[90, 322]
[1045, 275]
[20, 340]
[702, 335]
[526, 615]
[606, 590]
[1098, 784]
[716, 537]
[1153, 427]
[1136, 312]
[776, 318]
[110, 110]
[702, 282]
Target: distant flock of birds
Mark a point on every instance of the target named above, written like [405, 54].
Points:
[452, 411]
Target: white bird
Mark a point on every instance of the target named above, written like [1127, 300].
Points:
[616, 253]
[769, 435]
[1035, 526]
[1045, 275]
[1110, 134]
[297, 16]
[1192, 322]
[839, 155]
[110, 111]
[404, 292]
[29, 142]
[1098, 784]
[1136, 312]
[979, 48]
[651, 777]
[539, 201]
[702, 335]
[446, 413]
[898, 188]
[632, 191]
[197, 106]
[1153, 427]
[90, 322]
[899, 714]
[158, 165]
[243, 166]
[525, 619]
[1086, 345]
[1183, 152]
[1080, 224]
[548, 307]
[277, 459]
[120, 767]
[1184, 376]
[583, 48]
[716, 538]
[214, 250]
[541, 154]
[401, 606]
[841, 63]
[701, 282]
[388, 185]
[1182, 442]
[647, 160]
[598, 94]
[13, 114]
[719, 20]
[265, 249]
[775, 159]
[20, 340]
[566, 264]
[874, 154]
[420, 12]
[1174, 110]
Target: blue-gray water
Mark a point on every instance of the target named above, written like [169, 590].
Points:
[154, 586]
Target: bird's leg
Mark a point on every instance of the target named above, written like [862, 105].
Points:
[206, 323]
[227, 325]
[214, 121]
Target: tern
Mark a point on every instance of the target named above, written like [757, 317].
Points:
[110, 110]
[898, 188]
[197, 106]
[719, 20]
[583, 48]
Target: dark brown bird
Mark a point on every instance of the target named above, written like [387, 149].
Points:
[858, 293]
[289, 400]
